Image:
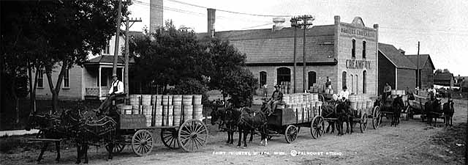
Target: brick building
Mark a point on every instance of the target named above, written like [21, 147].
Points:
[426, 69]
[345, 52]
[395, 69]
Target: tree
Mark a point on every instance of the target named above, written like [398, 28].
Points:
[437, 71]
[446, 71]
[229, 74]
[64, 31]
[171, 56]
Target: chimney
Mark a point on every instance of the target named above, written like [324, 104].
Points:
[156, 15]
[211, 22]
[402, 51]
[278, 24]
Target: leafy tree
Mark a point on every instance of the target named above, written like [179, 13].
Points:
[437, 71]
[229, 74]
[58, 33]
[171, 56]
[445, 71]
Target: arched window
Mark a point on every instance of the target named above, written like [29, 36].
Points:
[363, 49]
[352, 83]
[283, 75]
[353, 50]
[357, 84]
[343, 79]
[263, 78]
[364, 83]
[312, 78]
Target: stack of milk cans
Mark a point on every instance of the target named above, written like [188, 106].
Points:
[166, 110]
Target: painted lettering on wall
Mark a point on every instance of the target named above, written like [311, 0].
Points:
[358, 64]
[357, 32]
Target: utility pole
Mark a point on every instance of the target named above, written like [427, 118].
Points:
[306, 21]
[117, 38]
[418, 74]
[127, 53]
[294, 24]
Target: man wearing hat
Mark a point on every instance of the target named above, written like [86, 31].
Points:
[276, 98]
[344, 93]
[116, 89]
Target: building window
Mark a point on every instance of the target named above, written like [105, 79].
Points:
[312, 78]
[343, 77]
[352, 83]
[353, 50]
[364, 81]
[363, 49]
[357, 84]
[66, 79]
[40, 79]
[284, 75]
[104, 77]
[263, 78]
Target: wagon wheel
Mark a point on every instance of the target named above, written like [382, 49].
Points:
[317, 127]
[376, 118]
[142, 142]
[169, 138]
[290, 133]
[192, 135]
[118, 148]
[363, 123]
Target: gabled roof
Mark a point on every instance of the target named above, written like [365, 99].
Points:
[395, 56]
[264, 46]
[423, 59]
[106, 59]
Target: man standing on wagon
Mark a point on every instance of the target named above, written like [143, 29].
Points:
[344, 94]
[117, 89]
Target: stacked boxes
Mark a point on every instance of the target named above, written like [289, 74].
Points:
[165, 110]
[305, 105]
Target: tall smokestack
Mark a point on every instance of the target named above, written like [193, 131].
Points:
[211, 22]
[156, 15]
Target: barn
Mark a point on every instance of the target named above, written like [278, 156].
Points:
[426, 69]
[395, 69]
[344, 52]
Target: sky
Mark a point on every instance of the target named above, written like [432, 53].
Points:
[441, 26]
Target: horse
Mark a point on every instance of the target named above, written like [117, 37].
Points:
[50, 128]
[217, 114]
[329, 111]
[344, 114]
[432, 108]
[248, 123]
[397, 106]
[448, 112]
[92, 130]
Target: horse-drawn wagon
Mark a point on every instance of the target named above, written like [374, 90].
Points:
[299, 110]
[178, 117]
[390, 107]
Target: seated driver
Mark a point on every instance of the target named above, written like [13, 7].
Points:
[276, 98]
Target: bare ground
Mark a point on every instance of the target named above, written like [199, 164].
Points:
[411, 142]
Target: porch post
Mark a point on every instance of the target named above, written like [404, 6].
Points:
[99, 82]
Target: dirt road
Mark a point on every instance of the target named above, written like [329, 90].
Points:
[412, 142]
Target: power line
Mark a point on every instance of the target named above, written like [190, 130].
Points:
[232, 12]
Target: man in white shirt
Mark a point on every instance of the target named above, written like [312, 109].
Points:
[116, 89]
[344, 94]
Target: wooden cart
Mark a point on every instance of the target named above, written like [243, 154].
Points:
[191, 135]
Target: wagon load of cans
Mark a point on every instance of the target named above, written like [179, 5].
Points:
[305, 105]
[165, 110]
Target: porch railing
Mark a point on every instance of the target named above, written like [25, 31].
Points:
[94, 91]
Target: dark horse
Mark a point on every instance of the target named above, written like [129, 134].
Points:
[397, 106]
[230, 118]
[50, 127]
[432, 109]
[248, 122]
[217, 113]
[448, 112]
[344, 114]
[91, 130]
